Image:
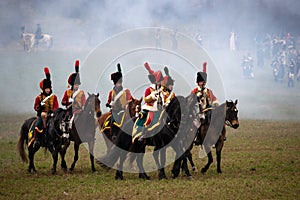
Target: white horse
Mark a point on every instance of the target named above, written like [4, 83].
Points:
[46, 41]
[27, 41]
[31, 43]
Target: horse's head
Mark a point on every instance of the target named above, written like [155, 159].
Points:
[231, 118]
[55, 129]
[184, 109]
[134, 106]
[92, 104]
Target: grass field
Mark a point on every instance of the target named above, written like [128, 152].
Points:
[260, 161]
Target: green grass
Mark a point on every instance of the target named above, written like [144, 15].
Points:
[260, 161]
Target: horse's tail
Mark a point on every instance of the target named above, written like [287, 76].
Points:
[21, 143]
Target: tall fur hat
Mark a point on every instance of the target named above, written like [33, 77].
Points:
[153, 76]
[167, 79]
[74, 78]
[46, 83]
[117, 76]
[202, 76]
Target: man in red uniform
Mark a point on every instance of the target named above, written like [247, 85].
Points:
[205, 96]
[74, 98]
[154, 101]
[45, 103]
[118, 98]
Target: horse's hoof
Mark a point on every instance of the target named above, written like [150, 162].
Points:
[203, 171]
[65, 169]
[94, 170]
[162, 177]
[144, 176]
[71, 169]
[53, 171]
[189, 177]
[219, 171]
[119, 175]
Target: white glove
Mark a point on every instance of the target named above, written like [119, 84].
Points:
[153, 95]
[42, 103]
[199, 94]
[71, 100]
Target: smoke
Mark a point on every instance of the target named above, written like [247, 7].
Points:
[79, 26]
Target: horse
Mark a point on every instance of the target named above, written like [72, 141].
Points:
[208, 132]
[169, 125]
[52, 140]
[27, 41]
[30, 42]
[46, 41]
[84, 128]
[133, 107]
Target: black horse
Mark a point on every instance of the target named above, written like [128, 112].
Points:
[170, 124]
[84, 128]
[51, 140]
[213, 131]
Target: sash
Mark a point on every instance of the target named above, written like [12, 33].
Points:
[118, 96]
[47, 98]
[75, 93]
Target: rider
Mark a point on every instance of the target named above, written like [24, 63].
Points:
[38, 33]
[118, 98]
[167, 87]
[45, 103]
[153, 97]
[74, 98]
[205, 96]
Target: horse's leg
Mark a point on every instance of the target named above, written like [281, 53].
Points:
[162, 174]
[210, 160]
[176, 168]
[185, 166]
[76, 148]
[139, 160]
[219, 147]
[31, 151]
[62, 153]
[63, 163]
[190, 158]
[54, 153]
[155, 156]
[91, 151]
[119, 172]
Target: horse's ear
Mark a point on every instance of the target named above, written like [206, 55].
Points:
[97, 95]
[236, 101]
[141, 99]
[89, 94]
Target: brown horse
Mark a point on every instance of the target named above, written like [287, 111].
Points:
[84, 128]
[110, 134]
[210, 130]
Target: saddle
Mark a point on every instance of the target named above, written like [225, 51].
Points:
[33, 127]
[118, 120]
[139, 125]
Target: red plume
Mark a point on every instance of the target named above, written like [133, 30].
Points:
[47, 72]
[147, 66]
[77, 66]
[204, 67]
